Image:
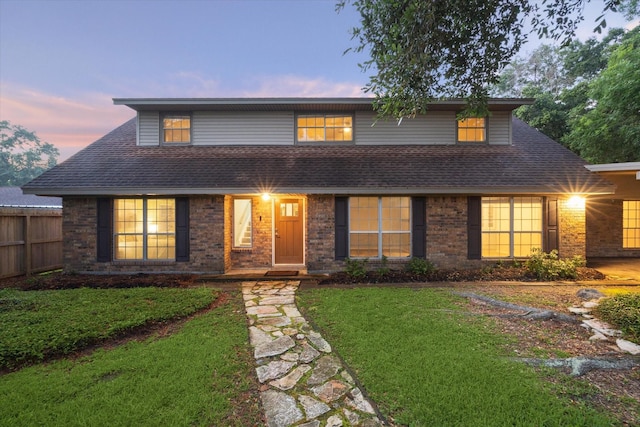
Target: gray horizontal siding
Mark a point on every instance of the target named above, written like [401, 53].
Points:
[434, 128]
[148, 128]
[499, 127]
[242, 128]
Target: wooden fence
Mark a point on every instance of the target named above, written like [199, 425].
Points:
[30, 241]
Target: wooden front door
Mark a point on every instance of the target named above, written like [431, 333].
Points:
[289, 242]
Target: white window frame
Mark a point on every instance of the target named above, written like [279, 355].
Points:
[324, 117]
[163, 129]
[146, 233]
[240, 222]
[380, 232]
[630, 206]
[511, 231]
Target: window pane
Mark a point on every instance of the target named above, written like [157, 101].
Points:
[363, 214]
[242, 237]
[495, 245]
[396, 244]
[176, 128]
[524, 243]
[495, 213]
[472, 129]
[129, 246]
[363, 245]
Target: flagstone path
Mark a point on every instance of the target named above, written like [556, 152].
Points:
[302, 382]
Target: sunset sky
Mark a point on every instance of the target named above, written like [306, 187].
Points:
[62, 62]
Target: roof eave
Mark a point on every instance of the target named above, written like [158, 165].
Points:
[166, 191]
[259, 104]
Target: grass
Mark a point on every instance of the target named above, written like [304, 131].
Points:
[40, 324]
[199, 375]
[425, 363]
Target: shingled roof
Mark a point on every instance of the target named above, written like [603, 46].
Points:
[115, 165]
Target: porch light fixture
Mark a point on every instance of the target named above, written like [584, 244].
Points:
[266, 197]
[576, 202]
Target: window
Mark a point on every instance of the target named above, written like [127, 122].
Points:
[511, 226]
[144, 229]
[325, 127]
[176, 128]
[379, 226]
[472, 129]
[242, 235]
[631, 224]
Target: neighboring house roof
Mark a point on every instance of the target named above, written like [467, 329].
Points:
[14, 198]
[114, 165]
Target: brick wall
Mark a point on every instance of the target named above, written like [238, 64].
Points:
[604, 230]
[572, 230]
[447, 232]
[206, 240]
[321, 234]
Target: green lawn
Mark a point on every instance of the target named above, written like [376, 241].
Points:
[425, 363]
[200, 374]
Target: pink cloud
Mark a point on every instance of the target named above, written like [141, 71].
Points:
[69, 124]
[72, 123]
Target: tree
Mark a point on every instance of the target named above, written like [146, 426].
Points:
[22, 155]
[609, 129]
[427, 50]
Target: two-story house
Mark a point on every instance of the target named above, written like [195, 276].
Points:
[213, 185]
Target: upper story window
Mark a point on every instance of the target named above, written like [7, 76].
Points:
[176, 128]
[324, 127]
[472, 129]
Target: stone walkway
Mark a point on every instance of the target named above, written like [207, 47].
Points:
[302, 382]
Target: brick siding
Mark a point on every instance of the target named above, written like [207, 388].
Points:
[572, 230]
[604, 230]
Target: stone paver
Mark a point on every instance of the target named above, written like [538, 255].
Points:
[303, 383]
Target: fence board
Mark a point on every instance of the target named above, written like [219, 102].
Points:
[30, 241]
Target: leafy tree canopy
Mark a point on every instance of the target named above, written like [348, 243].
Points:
[608, 130]
[22, 155]
[421, 51]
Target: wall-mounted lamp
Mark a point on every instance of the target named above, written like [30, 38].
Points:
[266, 197]
[576, 202]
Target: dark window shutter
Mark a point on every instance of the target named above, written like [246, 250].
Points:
[182, 229]
[419, 227]
[342, 227]
[104, 234]
[474, 229]
[551, 224]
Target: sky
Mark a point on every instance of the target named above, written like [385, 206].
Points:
[63, 61]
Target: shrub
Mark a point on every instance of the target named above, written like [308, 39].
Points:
[356, 269]
[623, 311]
[547, 266]
[384, 266]
[420, 266]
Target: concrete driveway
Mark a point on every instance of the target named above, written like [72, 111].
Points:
[622, 269]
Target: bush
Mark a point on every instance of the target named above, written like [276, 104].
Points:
[420, 266]
[547, 266]
[356, 269]
[623, 311]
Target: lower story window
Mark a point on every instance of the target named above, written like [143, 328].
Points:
[242, 235]
[631, 224]
[144, 229]
[511, 226]
[379, 226]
